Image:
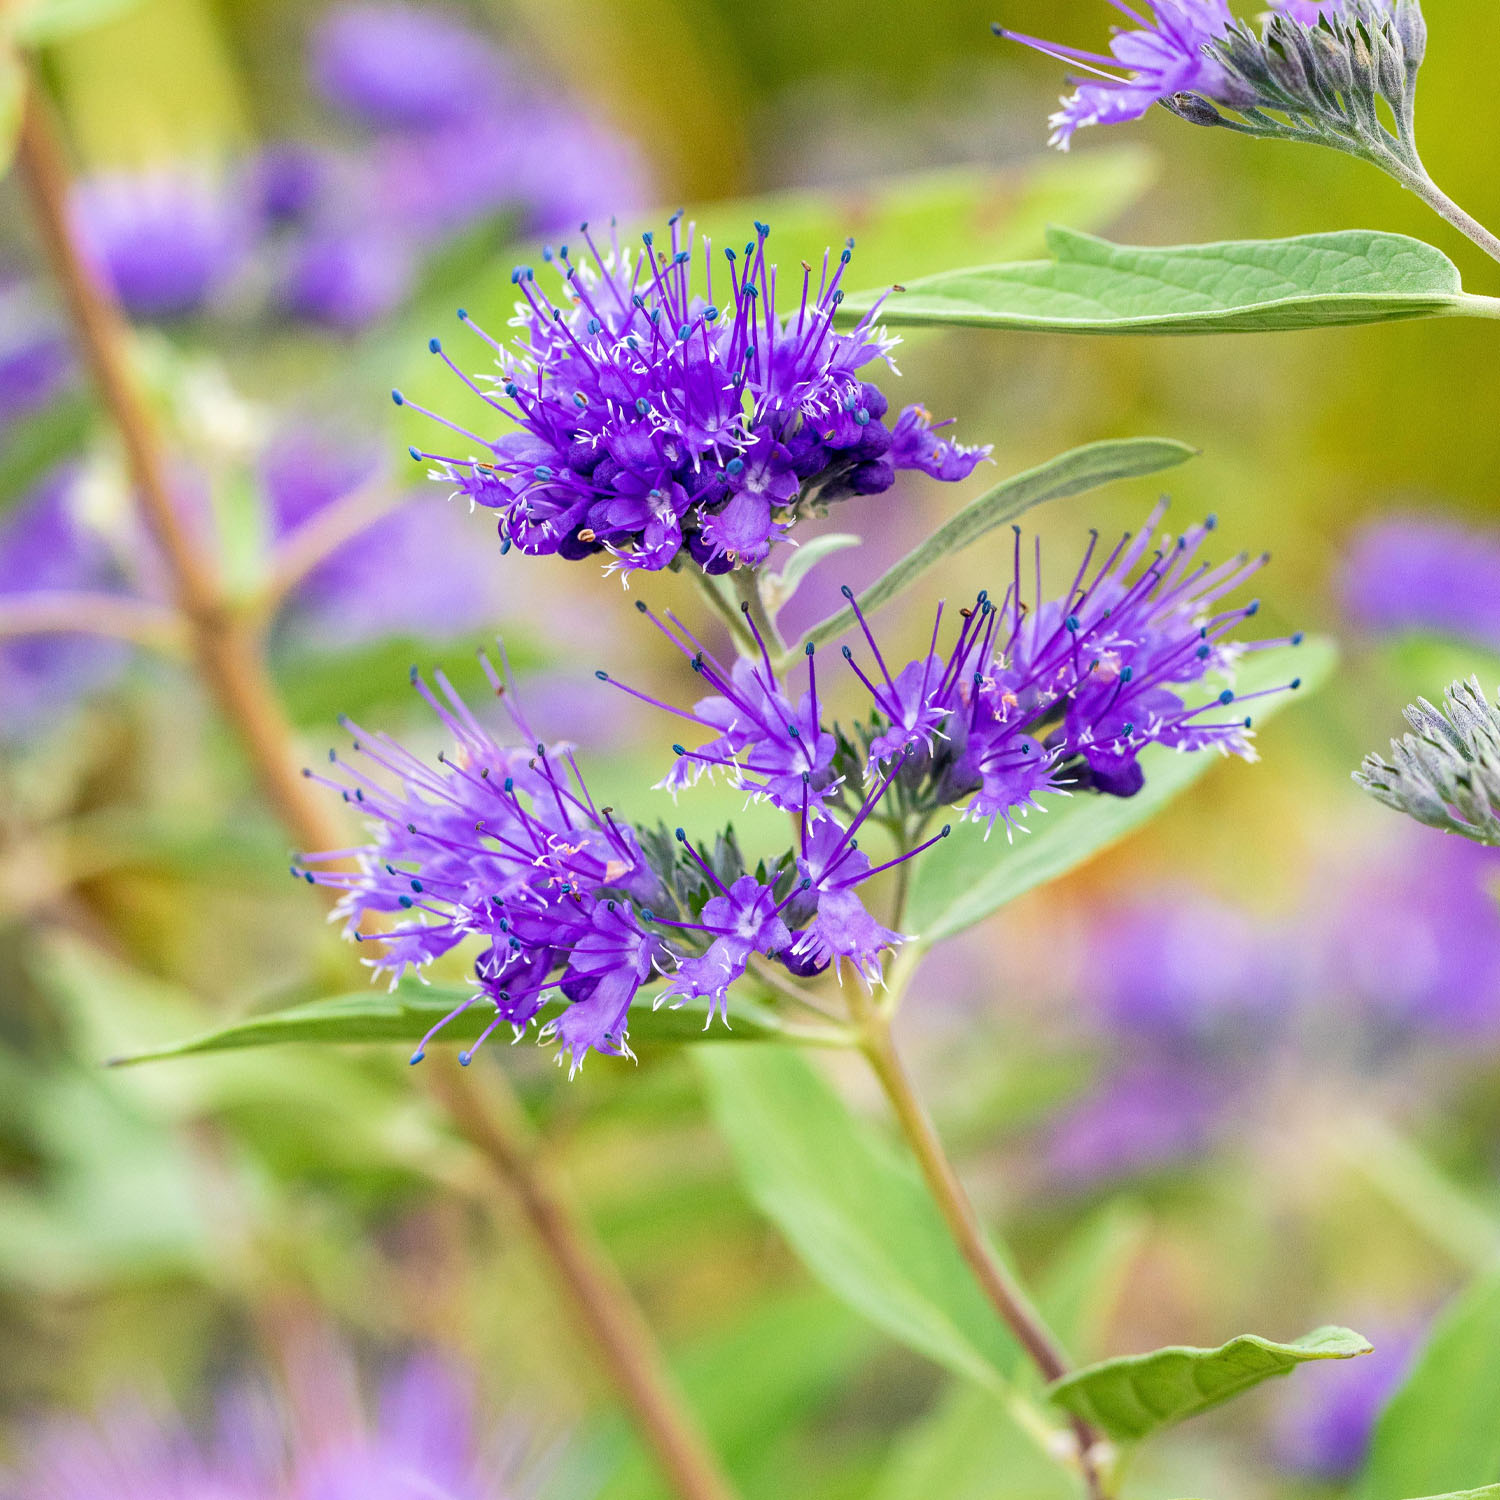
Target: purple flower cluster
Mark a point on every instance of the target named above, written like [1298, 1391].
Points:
[424, 1441]
[452, 132]
[1055, 695]
[652, 421]
[504, 845]
[1169, 51]
[570, 906]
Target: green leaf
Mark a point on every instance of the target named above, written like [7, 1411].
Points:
[1488, 1492]
[1070, 473]
[966, 877]
[856, 1213]
[1441, 1430]
[1133, 1397]
[1237, 286]
[406, 1014]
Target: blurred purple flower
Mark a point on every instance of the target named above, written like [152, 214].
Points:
[168, 240]
[391, 65]
[1179, 969]
[291, 177]
[418, 570]
[1326, 1432]
[43, 547]
[1143, 1119]
[347, 276]
[1415, 936]
[1415, 572]
[35, 366]
[424, 1443]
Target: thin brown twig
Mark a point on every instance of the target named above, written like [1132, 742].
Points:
[228, 659]
[69, 612]
[320, 536]
[496, 1126]
[229, 656]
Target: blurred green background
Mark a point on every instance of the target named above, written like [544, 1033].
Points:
[154, 1225]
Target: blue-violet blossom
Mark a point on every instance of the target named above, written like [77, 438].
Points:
[1171, 50]
[652, 422]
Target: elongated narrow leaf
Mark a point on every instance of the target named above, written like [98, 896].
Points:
[1071, 473]
[1237, 286]
[1489, 1492]
[405, 1015]
[1131, 1398]
[1441, 1430]
[856, 1213]
[785, 583]
[968, 876]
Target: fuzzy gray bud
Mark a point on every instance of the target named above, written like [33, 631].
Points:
[1446, 773]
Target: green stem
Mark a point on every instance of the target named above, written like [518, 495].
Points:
[995, 1279]
[495, 1124]
[1436, 199]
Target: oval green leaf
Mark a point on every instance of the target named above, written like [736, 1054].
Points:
[1441, 1430]
[405, 1015]
[966, 877]
[1071, 473]
[1091, 285]
[855, 1212]
[1131, 1398]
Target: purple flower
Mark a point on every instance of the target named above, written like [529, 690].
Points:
[651, 421]
[35, 367]
[44, 547]
[1415, 937]
[291, 178]
[394, 65]
[1142, 1119]
[1163, 56]
[1416, 573]
[1178, 969]
[1192, 54]
[1065, 694]
[503, 845]
[504, 848]
[915, 444]
[347, 276]
[169, 241]
[424, 1440]
[745, 919]
[561, 168]
[1326, 1433]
